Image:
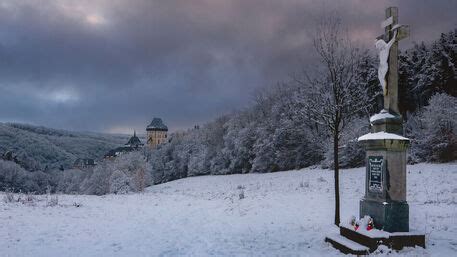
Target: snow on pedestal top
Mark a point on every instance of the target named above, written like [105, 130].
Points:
[382, 115]
[380, 136]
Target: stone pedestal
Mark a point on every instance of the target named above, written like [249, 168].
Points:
[388, 216]
[385, 190]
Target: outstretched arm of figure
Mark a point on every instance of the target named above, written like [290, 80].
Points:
[392, 41]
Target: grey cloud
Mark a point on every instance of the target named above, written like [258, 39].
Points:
[101, 65]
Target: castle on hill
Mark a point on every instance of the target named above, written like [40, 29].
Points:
[156, 134]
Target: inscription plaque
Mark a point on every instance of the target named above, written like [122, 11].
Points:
[375, 166]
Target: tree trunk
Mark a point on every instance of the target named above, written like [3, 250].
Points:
[337, 178]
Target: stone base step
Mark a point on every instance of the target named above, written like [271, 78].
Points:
[374, 238]
[346, 246]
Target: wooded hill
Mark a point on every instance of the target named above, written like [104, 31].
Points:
[40, 148]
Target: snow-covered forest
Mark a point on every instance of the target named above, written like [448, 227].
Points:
[41, 148]
[275, 133]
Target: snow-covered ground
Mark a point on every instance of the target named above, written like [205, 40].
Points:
[280, 214]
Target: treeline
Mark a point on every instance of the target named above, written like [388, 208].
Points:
[272, 135]
[127, 173]
[275, 133]
[427, 69]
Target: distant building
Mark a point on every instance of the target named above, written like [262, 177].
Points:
[134, 141]
[83, 164]
[156, 132]
[134, 144]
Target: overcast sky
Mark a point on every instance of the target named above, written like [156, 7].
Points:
[113, 65]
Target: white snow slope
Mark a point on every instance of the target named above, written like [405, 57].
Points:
[281, 214]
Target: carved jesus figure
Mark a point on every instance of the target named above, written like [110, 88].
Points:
[384, 49]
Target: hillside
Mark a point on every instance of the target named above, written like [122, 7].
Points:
[37, 147]
[274, 214]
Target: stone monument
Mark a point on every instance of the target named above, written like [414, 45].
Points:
[385, 190]
[385, 182]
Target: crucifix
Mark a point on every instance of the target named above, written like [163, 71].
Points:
[385, 186]
[384, 204]
[387, 45]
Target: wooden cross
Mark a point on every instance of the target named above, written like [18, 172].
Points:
[390, 25]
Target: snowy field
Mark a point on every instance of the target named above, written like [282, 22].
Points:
[277, 214]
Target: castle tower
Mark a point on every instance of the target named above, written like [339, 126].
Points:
[156, 132]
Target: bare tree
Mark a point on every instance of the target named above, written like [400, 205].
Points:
[334, 92]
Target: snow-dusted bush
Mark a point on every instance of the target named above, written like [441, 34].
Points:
[14, 177]
[8, 197]
[434, 130]
[196, 165]
[29, 199]
[127, 173]
[131, 173]
[119, 183]
[97, 181]
[69, 181]
[52, 200]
